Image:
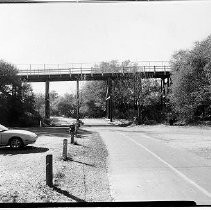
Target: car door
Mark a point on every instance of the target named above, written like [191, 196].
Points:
[3, 135]
[3, 139]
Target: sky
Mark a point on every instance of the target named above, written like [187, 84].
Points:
[59, 33]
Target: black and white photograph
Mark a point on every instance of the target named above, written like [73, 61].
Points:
[105, 103]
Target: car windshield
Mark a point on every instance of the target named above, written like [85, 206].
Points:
[3, 128]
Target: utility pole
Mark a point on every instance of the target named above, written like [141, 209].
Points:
[134, 94]
[162, 85]
[47, 101]
[140, 102]
[109, 100]
[77, 99]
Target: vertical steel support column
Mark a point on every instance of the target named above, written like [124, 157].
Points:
[168, 84]
[77, 99]
[140, 103]
[164, 87]
[134, 94]
[161, 98]
[109, 100]
[47, 101]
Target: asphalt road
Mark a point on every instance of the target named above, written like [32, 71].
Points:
[144, 168]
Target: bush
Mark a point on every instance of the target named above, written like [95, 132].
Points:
[190, 93]
[29, 120]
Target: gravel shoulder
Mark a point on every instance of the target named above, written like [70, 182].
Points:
[82, 178]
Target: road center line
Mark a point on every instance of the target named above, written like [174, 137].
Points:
[171, 167]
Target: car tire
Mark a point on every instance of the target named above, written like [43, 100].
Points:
[16, 143]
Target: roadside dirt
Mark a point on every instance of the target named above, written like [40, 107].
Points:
[82, 178]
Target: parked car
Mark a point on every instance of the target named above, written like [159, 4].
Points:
[16, 138]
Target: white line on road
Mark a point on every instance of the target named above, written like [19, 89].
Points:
[171, 167]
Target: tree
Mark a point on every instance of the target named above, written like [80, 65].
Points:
[16, 98]
[54, 100]
[67, 105]
[40, 104]
[9, 84]
[130, 95]
[191, 95]
[92, 100]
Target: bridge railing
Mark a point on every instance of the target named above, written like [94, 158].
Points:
[45, 70]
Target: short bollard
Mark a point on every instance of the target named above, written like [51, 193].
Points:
[72, 138]
[71, 132]
[49, 170]
[64, 149]
[76, 129]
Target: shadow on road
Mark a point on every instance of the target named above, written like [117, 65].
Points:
[76, 161]
[67, 194]
[87, 164]
[99, 125]
[124, 124]
[58, 132]
[50, 131]
[25, 150]
[80, 145]
[83, 133]
[110, 124]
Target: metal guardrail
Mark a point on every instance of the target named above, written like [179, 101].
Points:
[85, 69]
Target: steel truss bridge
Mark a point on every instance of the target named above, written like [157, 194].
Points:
[80, 72]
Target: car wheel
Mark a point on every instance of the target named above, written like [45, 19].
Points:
[16, 143]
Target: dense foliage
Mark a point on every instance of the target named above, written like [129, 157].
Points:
[17, 106]
[133, 97]
[94, 99]
[59, 105]
[191, 89]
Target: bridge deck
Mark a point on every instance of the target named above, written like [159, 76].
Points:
[73, 74]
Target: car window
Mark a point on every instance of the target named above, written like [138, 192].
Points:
[3, 128]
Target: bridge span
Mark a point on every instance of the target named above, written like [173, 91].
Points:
[83, 72]
[45, 73]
